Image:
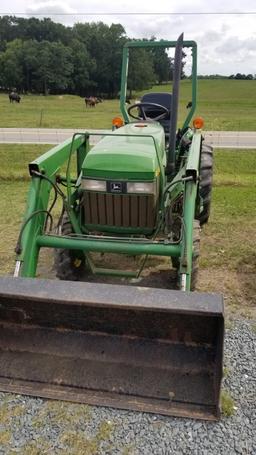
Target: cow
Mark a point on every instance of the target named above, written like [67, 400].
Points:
[92, 101]
[13, 96]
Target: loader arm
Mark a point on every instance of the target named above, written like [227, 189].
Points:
[190, 196]
[49, 164]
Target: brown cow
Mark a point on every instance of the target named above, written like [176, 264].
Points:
[92, 101]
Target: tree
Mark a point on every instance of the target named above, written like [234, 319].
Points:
[117, 39]
[54, 67]
[11, 69]
[12, 27]
[141, 71]
[7, 31]
[30, 64]
[105, 45]
[41, 55]
[83, 67]
[161, 63]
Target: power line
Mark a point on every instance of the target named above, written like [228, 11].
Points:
[119, 13]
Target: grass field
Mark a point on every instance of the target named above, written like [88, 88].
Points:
[224, 104]
[228, 255]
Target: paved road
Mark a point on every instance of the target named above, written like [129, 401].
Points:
[218, 139]
[41, 135]
[231, 139]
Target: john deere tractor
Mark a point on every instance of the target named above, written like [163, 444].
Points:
[143, 189]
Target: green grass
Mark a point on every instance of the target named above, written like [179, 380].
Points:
[230, 234]
[56, 112]
[228, 105]
[14, 181]
[234, 168]
[12, 206]
[224, 104]
[228, 255]
[15, 158]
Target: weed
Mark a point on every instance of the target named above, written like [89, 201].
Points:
[227, 404]
[254, 328]
[61, 413]
[78, 443]
[8, 411]
[5, 437]
[229, 323]
[39, 447]
[226, 372]
[129, 450]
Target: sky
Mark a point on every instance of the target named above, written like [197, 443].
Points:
[226, 43]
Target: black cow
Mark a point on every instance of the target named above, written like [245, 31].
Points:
[13, 96]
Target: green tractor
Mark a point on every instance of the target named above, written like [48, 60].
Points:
[143, 189]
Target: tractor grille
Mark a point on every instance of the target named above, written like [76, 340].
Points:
[120, 210]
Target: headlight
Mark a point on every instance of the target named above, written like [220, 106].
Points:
[94, 185]
[119, 186]
[141, 187]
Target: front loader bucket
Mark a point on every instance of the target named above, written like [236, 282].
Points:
[127, 347]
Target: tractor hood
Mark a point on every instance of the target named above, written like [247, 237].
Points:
[129, 153]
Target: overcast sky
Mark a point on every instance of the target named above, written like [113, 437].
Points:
[226, 43]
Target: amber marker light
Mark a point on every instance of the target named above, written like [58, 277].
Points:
[117, 122]
[198, 123]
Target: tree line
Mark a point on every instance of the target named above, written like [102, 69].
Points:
[247, 77]
[41, 56]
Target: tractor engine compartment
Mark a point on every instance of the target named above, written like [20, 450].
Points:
[121, 180]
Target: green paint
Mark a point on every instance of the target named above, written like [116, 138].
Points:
[51, 161]
[108, 246]
[131, 152]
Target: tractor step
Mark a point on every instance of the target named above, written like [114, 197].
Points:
[127, 347]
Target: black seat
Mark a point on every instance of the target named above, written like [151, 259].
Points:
[164, 99]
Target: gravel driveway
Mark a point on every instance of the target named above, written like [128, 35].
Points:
[33, 426]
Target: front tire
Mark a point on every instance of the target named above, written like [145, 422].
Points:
[205, 186]
[195, 258]
[70, 265]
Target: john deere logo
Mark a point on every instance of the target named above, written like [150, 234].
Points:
[116, 187]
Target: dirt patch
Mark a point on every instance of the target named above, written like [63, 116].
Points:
[156, 273]
[237, 286]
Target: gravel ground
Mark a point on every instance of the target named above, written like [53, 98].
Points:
[33, 426]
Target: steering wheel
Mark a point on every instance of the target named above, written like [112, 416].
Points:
[142, 114]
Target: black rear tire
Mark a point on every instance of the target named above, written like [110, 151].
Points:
[205, 186]
[70, 265]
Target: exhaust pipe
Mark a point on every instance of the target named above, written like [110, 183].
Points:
[170, 168]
